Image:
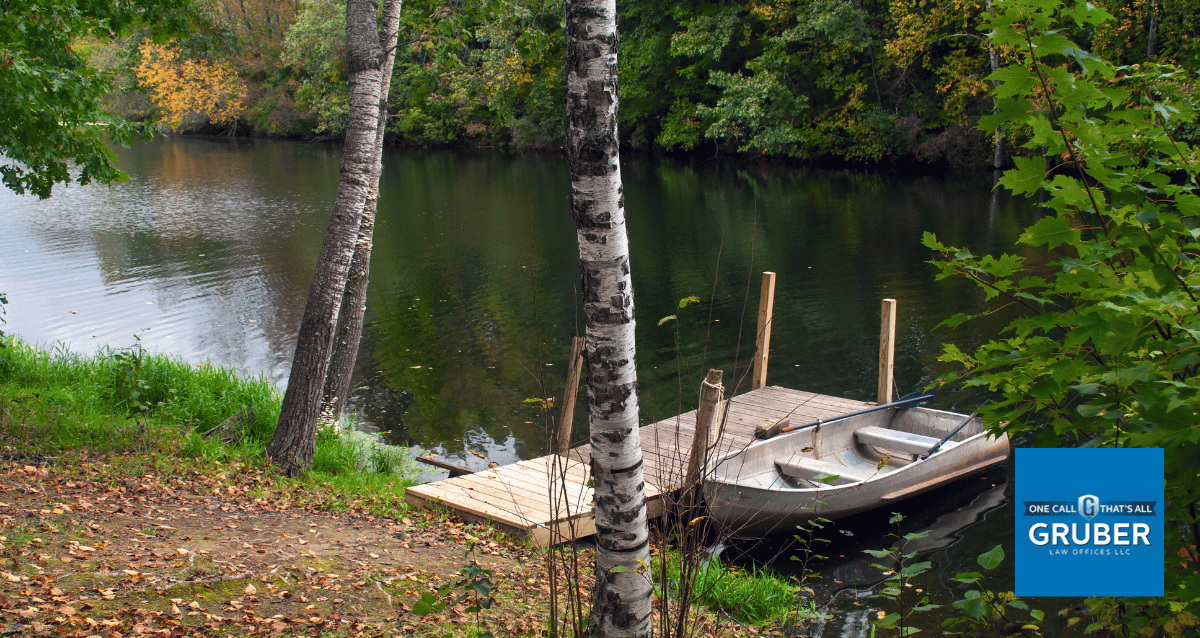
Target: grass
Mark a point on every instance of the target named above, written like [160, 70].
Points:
[343, 449]
[130, 400]
[81, 397]
[750, 596]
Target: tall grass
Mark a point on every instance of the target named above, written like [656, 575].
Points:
[129, 384]
[343, 449]
[127, 399]
[750, 596]
[116, 400]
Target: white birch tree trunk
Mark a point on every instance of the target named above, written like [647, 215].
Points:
[621, 602]
[997, 136]
[291, 447]
[1152, 39]
[354, 301]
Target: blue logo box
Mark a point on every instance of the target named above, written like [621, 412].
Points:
[1089, 522]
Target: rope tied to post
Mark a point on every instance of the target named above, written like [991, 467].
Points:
[718, 386]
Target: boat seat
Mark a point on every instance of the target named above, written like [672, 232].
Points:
[803, 467]
[898, 441]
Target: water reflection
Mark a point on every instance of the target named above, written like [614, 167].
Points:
[208, 251]
[196, 254]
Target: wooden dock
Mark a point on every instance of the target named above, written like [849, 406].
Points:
[548, 500]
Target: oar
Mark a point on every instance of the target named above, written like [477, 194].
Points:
[901, 404]
[933, 450]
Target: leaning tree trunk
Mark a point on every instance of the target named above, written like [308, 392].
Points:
[354, 301]
[621, 601]
[291, 448]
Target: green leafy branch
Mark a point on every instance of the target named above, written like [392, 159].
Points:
[898, 580]
[983, 608]
[1104, 346]
[476, 590]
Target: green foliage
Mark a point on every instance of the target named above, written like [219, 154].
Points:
[683, 303]
[1124, 39]
[313, 47]
[812, 79]
[476, 587]
[196, 445]
[132, 382]
[753, 596]
[341, 450]
[480, 72]
[118, 399]
[335, 454]
[75, 401]
[817, 78]
[983, 608]
[1104, 346]
[807, 616]
[804, 78]
[756, 112]
[897, 580]
[130, 389]
[52, 116]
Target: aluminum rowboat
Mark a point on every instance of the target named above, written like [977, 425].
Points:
[879, 458]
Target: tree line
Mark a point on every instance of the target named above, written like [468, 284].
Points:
[859, 82]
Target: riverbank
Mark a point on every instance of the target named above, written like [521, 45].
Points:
[114, 524]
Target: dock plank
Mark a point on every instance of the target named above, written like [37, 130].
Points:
[522, 496]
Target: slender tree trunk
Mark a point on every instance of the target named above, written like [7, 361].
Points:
[291, 448]
[354, 301]
[350, 322]
[1152, 39]
[621, 599]
[997, 137]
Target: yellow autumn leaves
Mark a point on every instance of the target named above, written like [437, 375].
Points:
[188, 91]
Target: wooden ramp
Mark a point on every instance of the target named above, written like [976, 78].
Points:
[548, 500]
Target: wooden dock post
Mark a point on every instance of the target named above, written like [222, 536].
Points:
[566, 418]
[710, 394]
[887, 351]
[766, 307]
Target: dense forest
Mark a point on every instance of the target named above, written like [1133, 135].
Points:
[843, 81]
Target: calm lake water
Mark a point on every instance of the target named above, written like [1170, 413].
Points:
[208, 252]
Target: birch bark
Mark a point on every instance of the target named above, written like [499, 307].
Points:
[1152, 39]
[291, 447]
[997, 136]
[354, 301]
[621, 601]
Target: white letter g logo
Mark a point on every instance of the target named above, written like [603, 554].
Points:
[1089, 506]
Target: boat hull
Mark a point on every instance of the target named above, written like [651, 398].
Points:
[747, 491]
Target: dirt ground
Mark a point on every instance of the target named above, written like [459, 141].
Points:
[121, 547]
[89, 552]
